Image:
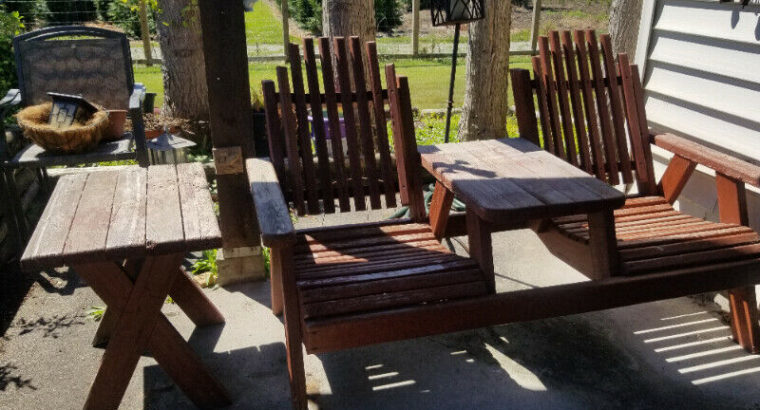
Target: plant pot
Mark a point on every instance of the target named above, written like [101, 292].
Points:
[116, 120]
[154, 133]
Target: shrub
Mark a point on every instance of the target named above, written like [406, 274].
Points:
[10, 26]
[387, 15]
[308, 14]
[70, 12]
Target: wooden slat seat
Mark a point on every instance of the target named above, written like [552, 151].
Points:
[364, 269]
[652, 236]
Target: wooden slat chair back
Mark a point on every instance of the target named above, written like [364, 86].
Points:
[588, 108]
[591, 114]
[318, 168]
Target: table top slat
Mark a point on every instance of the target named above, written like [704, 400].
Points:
[198, 217]
[126, 237]
[89, 229]
[163, 221]
[46, 244]
[513, 178]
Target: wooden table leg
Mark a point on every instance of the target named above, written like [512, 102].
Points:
[481, 249]
[141, 325]
[440, 207]
[603, 244]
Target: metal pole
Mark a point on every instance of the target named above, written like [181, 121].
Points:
[451, 84]
[535, 26]
[415, 27]
[285, 28]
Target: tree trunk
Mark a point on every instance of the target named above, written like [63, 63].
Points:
[184, 69]
[484, 114]
[624, 25]
[349, 18]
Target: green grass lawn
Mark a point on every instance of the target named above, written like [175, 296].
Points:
[262, 27]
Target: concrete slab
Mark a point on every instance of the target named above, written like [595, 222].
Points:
[674, 353]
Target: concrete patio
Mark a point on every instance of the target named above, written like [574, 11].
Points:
[674, 354]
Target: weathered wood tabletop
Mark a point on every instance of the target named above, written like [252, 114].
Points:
[514, 179]
[131, 213]
[126, 234]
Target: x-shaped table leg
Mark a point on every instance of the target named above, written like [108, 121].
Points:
[141, 326]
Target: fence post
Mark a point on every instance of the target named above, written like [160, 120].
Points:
[535, 26]
[415, 27]
[145, 31]
[285, 28]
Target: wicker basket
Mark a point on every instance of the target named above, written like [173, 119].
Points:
[84, 134]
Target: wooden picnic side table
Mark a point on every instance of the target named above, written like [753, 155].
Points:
[126, 233]
[508, 183]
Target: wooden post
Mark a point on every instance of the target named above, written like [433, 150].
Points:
[231, 123]
[535, 26]
[415, 27]
[285, 28]
[145, 31]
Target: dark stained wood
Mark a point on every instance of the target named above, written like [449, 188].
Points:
[230, 119]
[381, 126]
[328, 78]
[365, 126]
[732, 200]
[562, 97]
[294, 176]
[639, 137]
[272, 211]
[89, 229]
[616, 108]
[643, 123]
[283, 257]
[304, 141]
[407, 157]
[189, 296]
[592, 119]
[440, 206]
[163, 215]
[676, 176]
[126, 234]
[689, 246]
[718, 161]
[320, 142]
[525, 109]
[479, 241]
[602, 109]
[48, 240]
[543, 104]
[604, 253]
[744, 318]
[198, 217]
[692, 258]
[274, 128]
[551, 92]
[354, 145]
[575, 99]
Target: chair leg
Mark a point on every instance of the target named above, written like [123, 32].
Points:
[744, 318]
[283, 257]
[16, 207]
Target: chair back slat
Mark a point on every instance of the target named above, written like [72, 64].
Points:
[562, 98]
[352, 141]
[550, 86]
[543, 105]
[307, 158]
[365, 125]
[355, 103]
[334, 121]
[616, 108]
[590, 108]
[293, 177]
[592, 119]
[378, 105]
[584, 148]
[93, 62]
[610, 155]
[320, 143]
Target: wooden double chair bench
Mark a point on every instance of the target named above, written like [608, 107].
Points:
[354, 285]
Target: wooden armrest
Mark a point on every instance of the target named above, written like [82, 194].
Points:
[271, 209]
[722, 163]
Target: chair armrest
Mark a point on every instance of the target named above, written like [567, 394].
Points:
[12, 97]
[137, 97]
[271, 210]
[138, 128]
[722, 163]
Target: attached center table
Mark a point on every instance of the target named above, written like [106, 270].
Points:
[126, 233]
